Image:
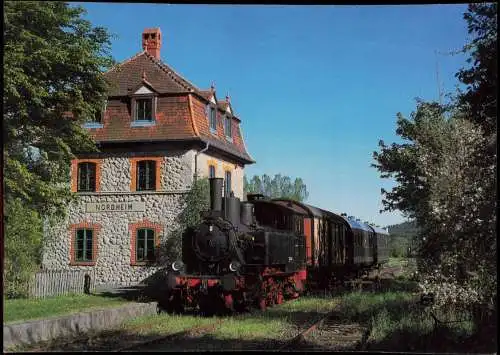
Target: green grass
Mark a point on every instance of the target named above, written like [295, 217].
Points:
[32, 309]
[398, 323]
[164, 323]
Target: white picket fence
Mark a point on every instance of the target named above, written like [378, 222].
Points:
[59, 282]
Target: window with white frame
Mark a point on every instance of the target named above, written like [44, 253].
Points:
[212, 117]
[144, 109]
[228, 127]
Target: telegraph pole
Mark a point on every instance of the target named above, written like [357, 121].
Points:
[440, 94]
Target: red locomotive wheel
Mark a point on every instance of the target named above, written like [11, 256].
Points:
[279, 298]
[228, 301]
[262, 304]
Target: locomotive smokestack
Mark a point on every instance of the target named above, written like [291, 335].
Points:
[216, 194]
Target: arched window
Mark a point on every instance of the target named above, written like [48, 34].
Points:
[86, 177]
[211, 171]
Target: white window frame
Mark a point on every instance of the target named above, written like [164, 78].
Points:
[134, 110]
[228, 121]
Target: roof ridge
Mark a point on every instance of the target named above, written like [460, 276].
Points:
[174, 75]
[126, 60]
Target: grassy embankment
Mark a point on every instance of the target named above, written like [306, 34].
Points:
[31, 309]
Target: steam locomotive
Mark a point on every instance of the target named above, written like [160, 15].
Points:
[263, 251]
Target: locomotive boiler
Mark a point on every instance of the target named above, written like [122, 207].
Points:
[231, 262]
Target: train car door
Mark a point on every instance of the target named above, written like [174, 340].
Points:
[308, 234]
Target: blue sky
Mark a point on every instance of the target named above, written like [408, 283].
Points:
[316, 87]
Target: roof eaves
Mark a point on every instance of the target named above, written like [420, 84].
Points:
[244, 145]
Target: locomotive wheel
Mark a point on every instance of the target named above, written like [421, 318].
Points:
[262, 303]
[174, 304]
[207, 308]
[279, 297]
[239, 303]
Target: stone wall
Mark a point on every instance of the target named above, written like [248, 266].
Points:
[112, 233]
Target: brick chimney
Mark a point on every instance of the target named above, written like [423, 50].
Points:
[151, 41]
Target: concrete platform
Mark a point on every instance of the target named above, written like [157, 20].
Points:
[29, 332]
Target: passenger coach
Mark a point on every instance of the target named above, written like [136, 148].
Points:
[337, 246]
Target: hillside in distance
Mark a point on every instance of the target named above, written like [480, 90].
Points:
[405, 229]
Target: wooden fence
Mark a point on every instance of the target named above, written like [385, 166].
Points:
[58, 282]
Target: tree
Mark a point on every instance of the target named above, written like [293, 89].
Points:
[445, 174]
[52, 83]
[23, 242]
[278, 187]
[480, 98]
[443, 189]
[195, 202]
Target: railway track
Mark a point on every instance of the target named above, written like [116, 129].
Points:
[328, 334]
[195, 331]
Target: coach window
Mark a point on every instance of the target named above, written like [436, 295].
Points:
[227, 190]
[146, 178]
[83, 247]
[86, 177]
[145, 248]
[211, 171]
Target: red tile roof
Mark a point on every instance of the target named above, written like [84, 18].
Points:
[180, 111]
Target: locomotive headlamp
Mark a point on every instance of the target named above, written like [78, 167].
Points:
[234, 266]
[177, 265]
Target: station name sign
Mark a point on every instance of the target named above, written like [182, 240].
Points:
[115, 207]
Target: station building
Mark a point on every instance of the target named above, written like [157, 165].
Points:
[156, 132]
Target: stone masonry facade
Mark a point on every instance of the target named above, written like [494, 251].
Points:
[114, 231]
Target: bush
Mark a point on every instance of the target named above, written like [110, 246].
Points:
[23, 241]
[196, 201]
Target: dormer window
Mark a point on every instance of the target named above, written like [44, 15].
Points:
[228, 127]
[212, 118]
[144, 109]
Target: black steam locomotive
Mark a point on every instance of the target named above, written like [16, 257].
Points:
[263, 251]
[231, 262]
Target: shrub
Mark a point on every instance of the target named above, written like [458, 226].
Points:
[195, 202]
[23, 241]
